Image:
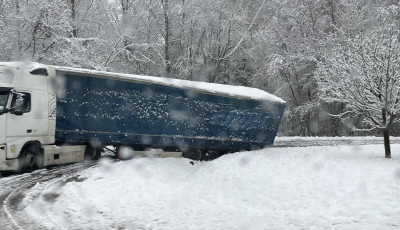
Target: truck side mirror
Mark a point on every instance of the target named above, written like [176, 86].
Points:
[18, 112]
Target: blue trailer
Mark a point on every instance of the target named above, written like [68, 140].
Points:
[113, 109]
[53, 115]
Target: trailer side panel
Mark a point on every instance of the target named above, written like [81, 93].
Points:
[125, 112]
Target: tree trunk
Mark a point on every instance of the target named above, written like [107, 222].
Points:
[125, 8]
[17, 8]
[166, 39]
[386, 142]
[73, 16]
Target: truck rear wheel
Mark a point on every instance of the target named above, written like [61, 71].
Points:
[194, 154]
[92, 153]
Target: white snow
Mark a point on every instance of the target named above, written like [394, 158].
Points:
[24, 64]
[213, 88]
[323, 187]
[354, 138]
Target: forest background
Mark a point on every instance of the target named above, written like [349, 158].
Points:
[280, 46]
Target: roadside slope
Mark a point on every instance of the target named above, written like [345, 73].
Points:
[334, 187]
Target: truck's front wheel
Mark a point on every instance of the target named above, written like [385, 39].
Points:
[27, 160]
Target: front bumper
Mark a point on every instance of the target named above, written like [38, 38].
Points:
[7, 165]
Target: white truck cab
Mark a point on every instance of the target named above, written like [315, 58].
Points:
[28, 118]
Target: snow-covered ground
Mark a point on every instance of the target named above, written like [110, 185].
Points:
[319, 187]
[324, 141]
[349, 139]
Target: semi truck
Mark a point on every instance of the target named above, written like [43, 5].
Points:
[52, 115]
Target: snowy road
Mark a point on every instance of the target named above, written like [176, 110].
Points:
[16, 194]
[317, 187]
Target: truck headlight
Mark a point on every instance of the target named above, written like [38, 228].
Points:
[12, 148]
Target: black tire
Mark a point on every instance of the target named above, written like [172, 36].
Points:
[212, 154]
[27, 161]
[40, 159]
[92, 153]
[194, 154]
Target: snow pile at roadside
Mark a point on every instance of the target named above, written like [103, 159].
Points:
[336, 187]
[354, 138]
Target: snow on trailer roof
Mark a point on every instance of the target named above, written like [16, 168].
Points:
[212, 88]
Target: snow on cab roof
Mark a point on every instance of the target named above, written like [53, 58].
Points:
[212, 88]
[24, 64]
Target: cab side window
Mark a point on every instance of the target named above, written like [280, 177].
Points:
[21, 102]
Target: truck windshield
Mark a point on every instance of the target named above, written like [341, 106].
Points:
[3, 99]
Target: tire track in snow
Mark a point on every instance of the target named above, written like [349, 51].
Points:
[15, 188]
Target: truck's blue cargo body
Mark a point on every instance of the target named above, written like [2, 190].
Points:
[124, 112]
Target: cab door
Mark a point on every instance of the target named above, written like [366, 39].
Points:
[28, 117]
[4, 95]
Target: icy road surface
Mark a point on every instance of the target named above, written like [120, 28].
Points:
[18, 192]
[318, 187]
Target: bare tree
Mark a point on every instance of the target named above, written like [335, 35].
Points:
[364, 73]
[273, 45]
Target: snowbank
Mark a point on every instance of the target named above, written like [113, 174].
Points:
[354, 138]
[336, 187]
